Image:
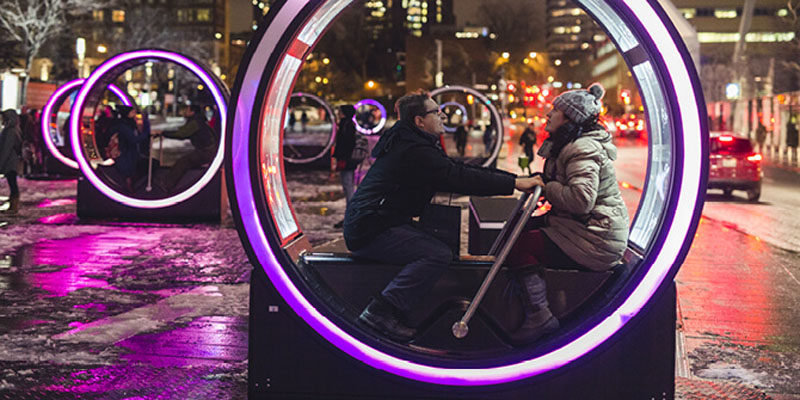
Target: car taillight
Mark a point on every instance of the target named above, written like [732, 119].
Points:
[754, 158]
[725, 138]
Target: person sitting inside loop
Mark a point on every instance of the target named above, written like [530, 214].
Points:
[587, 225]
[410, 167]
[125, 137]
[203, 139]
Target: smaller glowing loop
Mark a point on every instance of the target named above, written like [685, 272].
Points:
[460, 107]
[332, 139]
[48, 111]
[377, 128]
[77, 112]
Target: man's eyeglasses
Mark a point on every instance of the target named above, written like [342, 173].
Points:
[437, 111]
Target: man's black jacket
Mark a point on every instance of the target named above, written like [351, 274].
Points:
[410, 168]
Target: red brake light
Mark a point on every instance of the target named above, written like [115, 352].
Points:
[754, 158]
[725, 138]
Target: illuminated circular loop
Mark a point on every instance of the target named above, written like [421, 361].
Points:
[111, 67]
[662, 230]
[497, 121]
[57, 98]
[381, 123]
[331, 140]
[460, 107]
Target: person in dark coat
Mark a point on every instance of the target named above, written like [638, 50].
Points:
[527, 141]
[129, 138]
[409, 168]
[461, 139]
[203, 139]
[102, 127]
[10, 153]
[345, 142]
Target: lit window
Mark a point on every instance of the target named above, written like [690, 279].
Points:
[783, 12]
[688, 13]
[203, 14]
[752, 37]
[98, 15]
[118, 15]
[725, 13]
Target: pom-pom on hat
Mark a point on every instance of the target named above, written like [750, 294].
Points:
[581, 106]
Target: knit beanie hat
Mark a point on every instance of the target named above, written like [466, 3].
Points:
[580, 105]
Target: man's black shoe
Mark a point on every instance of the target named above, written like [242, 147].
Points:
[382, 317]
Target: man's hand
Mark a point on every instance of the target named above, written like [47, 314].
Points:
[527, 184]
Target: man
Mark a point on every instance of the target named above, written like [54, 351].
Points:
[410, 167]
[204, 140]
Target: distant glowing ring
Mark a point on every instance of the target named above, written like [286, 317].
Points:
[377, 128]
[47, 116]
[77, 112]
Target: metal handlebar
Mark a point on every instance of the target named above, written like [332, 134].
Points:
[461, 327]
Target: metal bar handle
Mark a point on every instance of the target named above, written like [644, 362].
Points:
[506, 227]
[461, 328]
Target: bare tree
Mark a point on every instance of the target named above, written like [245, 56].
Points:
[148, 27]
[31, 23]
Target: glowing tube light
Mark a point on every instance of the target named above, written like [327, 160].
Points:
[48, 112]
[680, 212]
[377, 128]
[77, 112]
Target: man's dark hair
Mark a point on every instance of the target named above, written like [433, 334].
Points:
[411, 105]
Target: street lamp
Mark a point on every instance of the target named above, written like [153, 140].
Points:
[80, 50]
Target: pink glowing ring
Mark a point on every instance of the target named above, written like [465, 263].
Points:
[376, 128]
[56, 98]
[662, 230]
[140, 57]
[331, 140]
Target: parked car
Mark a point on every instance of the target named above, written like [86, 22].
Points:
[734, 165]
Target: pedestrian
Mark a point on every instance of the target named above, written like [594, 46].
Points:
[587, 225]
[761, 136]
[343, 150]
[461, 139]
[102, 126]
[203, 138]
[527, 140]
[488, 140]
[10, 153]
[32, 142]
[303, 120]
[292, 121]
[124, 143]
[409, 168]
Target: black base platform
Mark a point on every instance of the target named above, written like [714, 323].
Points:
[288, 360]
[205, 206]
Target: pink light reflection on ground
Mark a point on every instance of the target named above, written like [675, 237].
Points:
[89, 260]
[56, 202]
[59, 219]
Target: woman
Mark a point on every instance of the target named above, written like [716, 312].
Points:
[587, 225]
[10, 151]
[129, 138]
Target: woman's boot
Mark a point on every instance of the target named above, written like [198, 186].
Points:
[539, 321]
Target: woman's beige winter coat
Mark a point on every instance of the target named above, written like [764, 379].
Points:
[588, 219]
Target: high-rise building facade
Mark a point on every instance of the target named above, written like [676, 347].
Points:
[572, 38]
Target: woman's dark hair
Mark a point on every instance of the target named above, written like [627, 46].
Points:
[411, 105]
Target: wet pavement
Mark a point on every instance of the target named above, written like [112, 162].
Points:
[118, 311]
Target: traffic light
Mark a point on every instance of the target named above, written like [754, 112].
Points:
[625, 96]
[511, 87]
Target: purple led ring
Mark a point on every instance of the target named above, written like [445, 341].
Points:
[48, 110]
[689, 184]
[377, 128]
[77, 111]
[460, 107]
[498, 144]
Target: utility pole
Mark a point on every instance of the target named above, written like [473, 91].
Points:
[741, 123]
